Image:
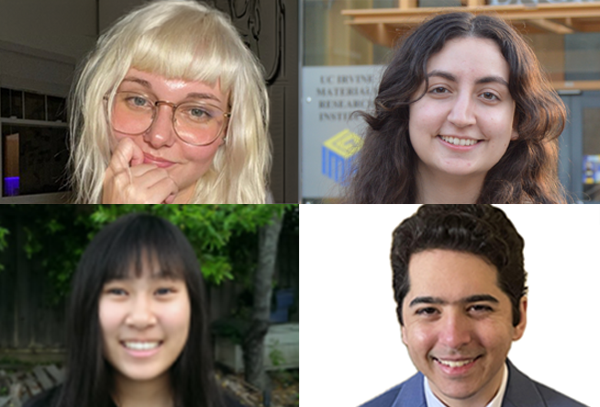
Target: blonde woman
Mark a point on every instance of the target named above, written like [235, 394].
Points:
[170, 107]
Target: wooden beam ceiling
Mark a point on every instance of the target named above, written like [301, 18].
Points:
[385, 26]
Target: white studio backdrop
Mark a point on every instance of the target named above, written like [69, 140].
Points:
[351, 345]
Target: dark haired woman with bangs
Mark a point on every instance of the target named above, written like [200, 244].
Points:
[464, 114]
[137, 323]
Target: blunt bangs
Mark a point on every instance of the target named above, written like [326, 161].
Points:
[144, 243]
[123, 249]
[181, 40]
[188, 46]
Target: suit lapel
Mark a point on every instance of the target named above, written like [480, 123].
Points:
[520, 390]
[411, 394]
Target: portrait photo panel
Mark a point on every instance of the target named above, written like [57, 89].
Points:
[352, 349]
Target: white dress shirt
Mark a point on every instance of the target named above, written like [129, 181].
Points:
[433, 401]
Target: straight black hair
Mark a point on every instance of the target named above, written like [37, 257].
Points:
[116, 252]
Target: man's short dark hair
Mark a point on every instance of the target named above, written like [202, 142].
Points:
[482, 230]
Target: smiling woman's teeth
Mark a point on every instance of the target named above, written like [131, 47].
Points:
[141, 345]
[458, 141]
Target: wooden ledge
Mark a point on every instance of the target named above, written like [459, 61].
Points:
[385, 26]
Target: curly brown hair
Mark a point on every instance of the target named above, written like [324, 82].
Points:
[385, 169]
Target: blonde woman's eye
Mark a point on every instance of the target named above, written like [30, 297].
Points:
[138, 101]
[197, 113]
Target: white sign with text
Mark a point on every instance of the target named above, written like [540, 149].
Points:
[332, 130]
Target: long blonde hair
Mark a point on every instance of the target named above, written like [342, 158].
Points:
[176, 39]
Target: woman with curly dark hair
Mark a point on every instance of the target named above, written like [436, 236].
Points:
[463, 114]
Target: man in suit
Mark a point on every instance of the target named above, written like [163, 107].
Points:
[459, 286]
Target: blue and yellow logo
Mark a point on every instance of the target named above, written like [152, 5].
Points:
[338, 153]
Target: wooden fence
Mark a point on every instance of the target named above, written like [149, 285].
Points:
[26, 318]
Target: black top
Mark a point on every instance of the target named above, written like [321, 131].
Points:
[44, 399]
[49, 399]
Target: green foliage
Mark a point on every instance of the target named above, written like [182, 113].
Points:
[9, 363]
[230, 328]
[216, 269]
[276, 355]
[223, 236]
[284, 377]
[3, 233]
[3, 244]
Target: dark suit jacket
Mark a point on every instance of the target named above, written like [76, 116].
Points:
[521, 391]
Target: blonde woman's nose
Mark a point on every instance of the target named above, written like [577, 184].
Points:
[162, 132]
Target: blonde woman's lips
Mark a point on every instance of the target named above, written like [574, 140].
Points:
[159, 162]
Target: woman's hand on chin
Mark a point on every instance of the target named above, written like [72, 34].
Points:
[128, 180]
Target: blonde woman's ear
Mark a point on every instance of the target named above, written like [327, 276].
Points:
[514, 135]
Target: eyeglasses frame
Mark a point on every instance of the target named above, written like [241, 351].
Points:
[174, 107]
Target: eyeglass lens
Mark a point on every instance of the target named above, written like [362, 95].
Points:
[194, 122]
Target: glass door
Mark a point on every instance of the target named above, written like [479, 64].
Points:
[591, 153]
[580, 148]
[585, 147]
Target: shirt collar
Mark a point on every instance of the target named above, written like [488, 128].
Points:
[433, 401]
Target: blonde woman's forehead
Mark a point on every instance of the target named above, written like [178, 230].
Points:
[150, 77]
[183, 88]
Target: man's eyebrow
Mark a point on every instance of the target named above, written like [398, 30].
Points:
[485, 79]
[426, 300]
[466, 300]
[481, 298]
